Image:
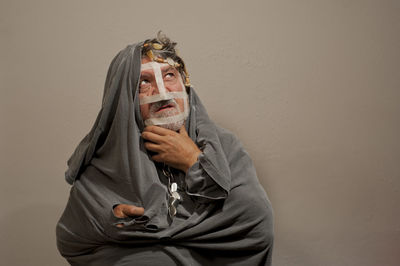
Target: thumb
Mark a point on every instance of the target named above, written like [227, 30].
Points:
[183, 131]
[131, 210]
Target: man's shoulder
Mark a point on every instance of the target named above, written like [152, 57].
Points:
[231, 144]
[226, 136]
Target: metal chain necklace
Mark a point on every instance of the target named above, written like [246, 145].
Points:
[174, 197]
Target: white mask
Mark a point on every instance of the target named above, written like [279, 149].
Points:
[173, 118]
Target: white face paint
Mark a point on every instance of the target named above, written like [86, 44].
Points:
[162, 96]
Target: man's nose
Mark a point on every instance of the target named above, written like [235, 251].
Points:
[156, 88]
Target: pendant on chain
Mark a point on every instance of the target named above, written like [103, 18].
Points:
[174, 197]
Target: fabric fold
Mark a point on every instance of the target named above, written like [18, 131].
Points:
[200, 183]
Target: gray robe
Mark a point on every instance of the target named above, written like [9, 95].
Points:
[225, 217]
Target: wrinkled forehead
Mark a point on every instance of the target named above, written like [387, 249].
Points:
[152, 67]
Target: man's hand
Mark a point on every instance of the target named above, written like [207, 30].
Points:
[175, 149]
[125, 210]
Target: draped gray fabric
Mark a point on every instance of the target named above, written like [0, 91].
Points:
[225, 217]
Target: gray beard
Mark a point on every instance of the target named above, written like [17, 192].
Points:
[175, 126]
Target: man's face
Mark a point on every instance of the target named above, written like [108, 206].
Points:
[157, 80]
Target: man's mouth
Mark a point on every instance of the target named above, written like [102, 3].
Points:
[165, 107]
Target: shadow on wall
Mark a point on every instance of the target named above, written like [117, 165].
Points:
[29, 236]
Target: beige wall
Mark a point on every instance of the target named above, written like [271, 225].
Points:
[312, 89]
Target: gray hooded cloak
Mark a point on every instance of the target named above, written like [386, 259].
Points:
[225, 217]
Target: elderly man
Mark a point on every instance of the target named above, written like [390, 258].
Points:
[156, 182]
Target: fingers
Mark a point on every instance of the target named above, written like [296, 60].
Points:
[131, 210]
[157, 158]
[152, 147]
[125, 210]
[150, 136]
[158, 130]
[118, 211]
[183, 131]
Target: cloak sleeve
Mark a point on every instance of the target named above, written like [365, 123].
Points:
[201, 181]
[209, 179]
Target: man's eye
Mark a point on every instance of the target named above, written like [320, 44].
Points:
[144, 82]
[169, 75]
[144, 86]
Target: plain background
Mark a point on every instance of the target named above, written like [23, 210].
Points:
[311, 88]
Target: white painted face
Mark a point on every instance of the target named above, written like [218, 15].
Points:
[162, 95]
